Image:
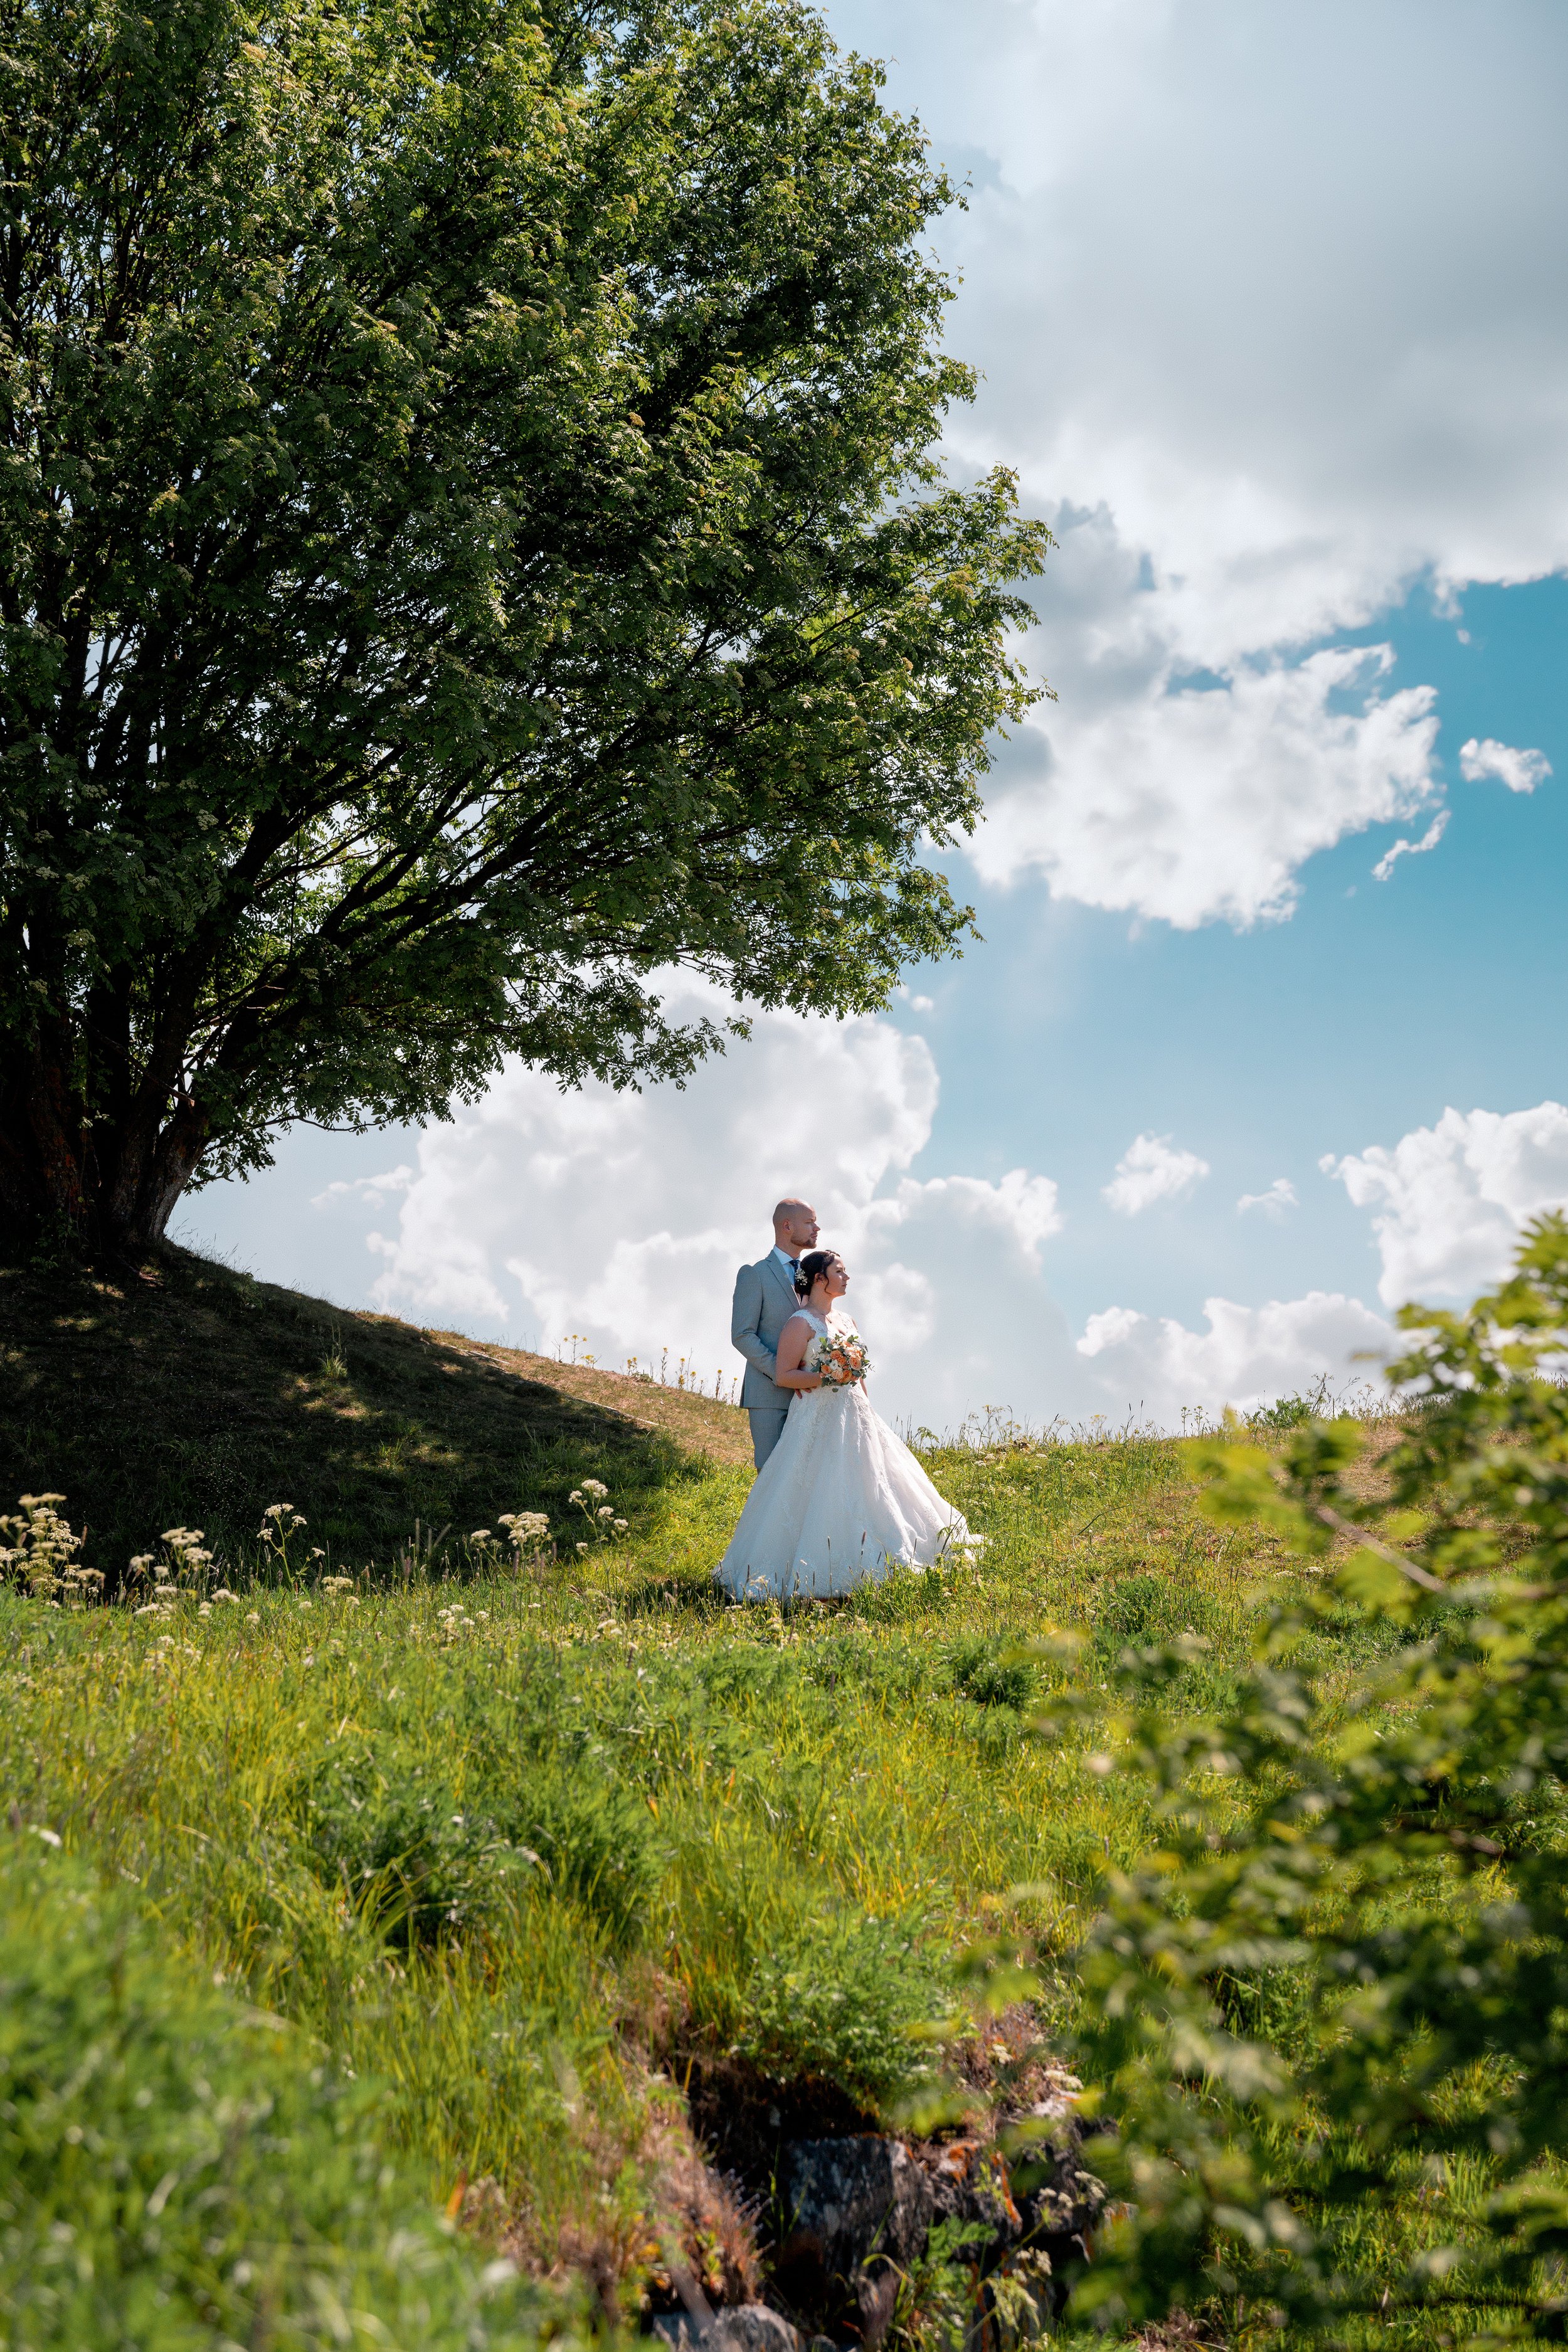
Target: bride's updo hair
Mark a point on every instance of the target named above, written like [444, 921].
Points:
[812, 1268]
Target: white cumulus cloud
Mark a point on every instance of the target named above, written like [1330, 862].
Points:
[1449, 1200]
[1403, 848]
[1154, 1366]
[1022, 1206]
[1520, 771]
[1355, 389]
[1275, 1204]
[373, 1190]
[1192, 803]
[1150, 1169]
[622, 1218]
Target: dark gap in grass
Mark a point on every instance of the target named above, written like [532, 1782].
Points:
[747, 2117]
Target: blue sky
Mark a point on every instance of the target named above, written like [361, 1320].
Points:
[1273, 326]
[1372, 1008]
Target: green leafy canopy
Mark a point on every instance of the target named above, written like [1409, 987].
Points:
[469, 541]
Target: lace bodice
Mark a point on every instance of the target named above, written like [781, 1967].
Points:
[830, 1322]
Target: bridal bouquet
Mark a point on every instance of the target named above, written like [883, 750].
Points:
[841, 1357]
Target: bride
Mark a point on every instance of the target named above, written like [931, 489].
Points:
[840, 1500]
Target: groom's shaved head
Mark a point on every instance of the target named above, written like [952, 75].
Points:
[795, 1224]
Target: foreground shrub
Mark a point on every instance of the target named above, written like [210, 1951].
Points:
[175, 2171]
[1330, 2016]
[845, 2003]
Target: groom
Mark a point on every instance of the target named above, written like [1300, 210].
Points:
[764, 1301]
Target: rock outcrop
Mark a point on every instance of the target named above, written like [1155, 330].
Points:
[852, 2214]
[855, 2212]
[1059, 2200]
[742, 2328]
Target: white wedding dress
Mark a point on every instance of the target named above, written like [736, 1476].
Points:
[840, 1501]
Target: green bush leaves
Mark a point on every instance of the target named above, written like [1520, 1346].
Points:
[843, 2001]
[1338, 1994]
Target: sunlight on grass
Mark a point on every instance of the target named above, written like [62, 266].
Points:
[531, 1841]
[777, 1777]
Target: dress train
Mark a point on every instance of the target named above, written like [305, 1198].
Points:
[840, 1502]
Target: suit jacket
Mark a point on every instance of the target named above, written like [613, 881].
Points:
[764, 1301]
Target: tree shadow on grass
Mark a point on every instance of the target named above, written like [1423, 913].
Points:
[180, 1391]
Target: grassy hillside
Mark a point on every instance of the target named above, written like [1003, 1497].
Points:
[580, 1866]
[180, 1392]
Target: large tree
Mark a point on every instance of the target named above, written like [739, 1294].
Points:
[469, 540]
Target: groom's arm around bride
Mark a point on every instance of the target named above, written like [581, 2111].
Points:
[764, 1301]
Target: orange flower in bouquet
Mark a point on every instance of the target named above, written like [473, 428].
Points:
[841, 1357]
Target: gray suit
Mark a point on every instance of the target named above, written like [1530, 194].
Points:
[764, 1301]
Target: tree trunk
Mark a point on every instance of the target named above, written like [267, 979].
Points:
[110, 1186]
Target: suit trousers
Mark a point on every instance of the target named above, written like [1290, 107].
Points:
[767, 1428]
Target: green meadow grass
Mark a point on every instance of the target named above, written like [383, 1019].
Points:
[573, 1859]
[659, 1835]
